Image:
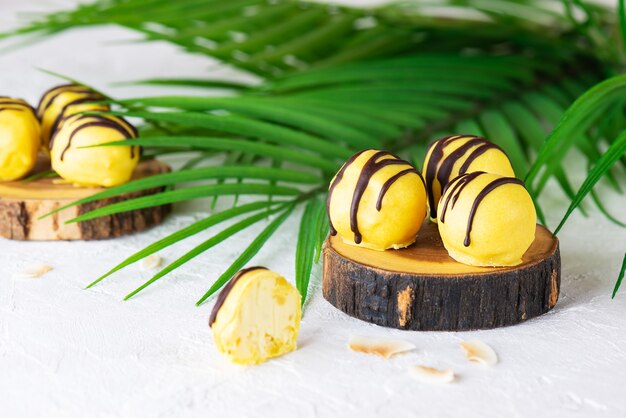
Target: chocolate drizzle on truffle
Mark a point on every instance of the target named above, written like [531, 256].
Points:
[440, 167]
[221, 298]
[457, 186]
[18, 108]
[371, 167]
[390, 182]
[116, 123]
[374, 164]
[334, 184]
[7, 103]
[51, 95]
[91, 98]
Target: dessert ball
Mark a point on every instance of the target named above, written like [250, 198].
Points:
[62, 101]
[19, 138]
[256, 317]
[377, 200]
[99, 166]
[459, 154]
[486, 219]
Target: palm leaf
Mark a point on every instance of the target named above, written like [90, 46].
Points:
[622, 23]
[206, 245]
[247, 254]
[618, 283]
[308, 239]
[228, 144]
[578, 118]
[608, 159]
[303, 29]
[199, 174]
[184, 233]
[237, 125]
[266, 110]
[334, 80]
[184, 194]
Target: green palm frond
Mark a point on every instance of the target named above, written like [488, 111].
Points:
[186, 232]
[310, 238]
[274, 38]
[618, 283]
[334, 80]
[248, 253]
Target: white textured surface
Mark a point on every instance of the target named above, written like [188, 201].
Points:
[70, 352]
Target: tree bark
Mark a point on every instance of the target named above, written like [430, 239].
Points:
[23, 203]
[422, 288]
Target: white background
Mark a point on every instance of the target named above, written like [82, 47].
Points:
[69, 352]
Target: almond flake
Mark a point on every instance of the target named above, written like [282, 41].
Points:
[34, 272]
[383, 347]
[432, 375]
[479, 352]
[151, 262]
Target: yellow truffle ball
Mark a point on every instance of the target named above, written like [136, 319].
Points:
[98, 166]
[377, 200]
[256, 317]
[19, 138]
[62, 101]
[486, 219]
[451, 156]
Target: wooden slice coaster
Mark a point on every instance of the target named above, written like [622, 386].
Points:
[22, 203]
[422, 288]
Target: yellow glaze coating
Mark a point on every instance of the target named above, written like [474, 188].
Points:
[63, 101]
[259, 318]
[402, 210]
[503, 227]
[99, 166]
[19, 139]
[448, 156]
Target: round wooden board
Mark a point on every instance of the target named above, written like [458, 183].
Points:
[22, 203]
[422, 288]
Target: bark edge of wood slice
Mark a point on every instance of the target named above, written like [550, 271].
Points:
[422, 288]
[22, 203]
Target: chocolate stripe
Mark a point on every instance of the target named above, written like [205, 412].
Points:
[431, 169]
[390, 182]
[334, 184]
[51, 95]
[221, 298]
[477, 152]
[440, 167]
[488, 189]
[100, 122]
[457, 186]
[9, 103]
[371, 167]
[62, 114]
[19, 109]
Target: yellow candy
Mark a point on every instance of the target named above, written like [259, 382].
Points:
[98, 166]
[451, 156]
[377, 201]
[62, 101]
[19, 138]
[256, 317]
[486, 219]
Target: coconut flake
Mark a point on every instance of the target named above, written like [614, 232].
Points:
[34, 272]
[151, 262]
[432, 375]
[479, 352]
[383, 347]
